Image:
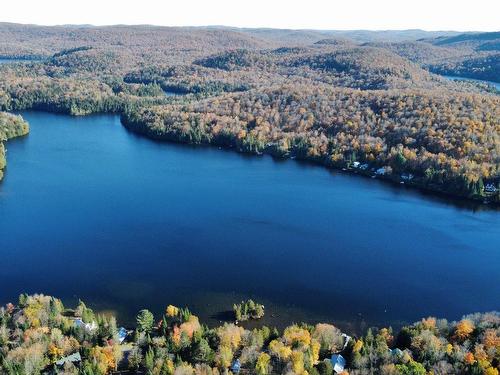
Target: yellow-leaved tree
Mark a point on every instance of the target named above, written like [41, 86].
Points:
[262, 367]
[463, 329]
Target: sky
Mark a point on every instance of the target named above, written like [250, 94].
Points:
[459, 15]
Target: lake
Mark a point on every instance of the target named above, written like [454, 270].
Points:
[89, 210]
[15, 60]
[457, 78]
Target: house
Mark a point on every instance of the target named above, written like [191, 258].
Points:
[89, 327]
[338, 363]
[236, 367]
[396, 352]
[122, 334]
[73, 358]
[380, 171]
[490, 188]
[407, 177]
[363, 167]
[356, 164]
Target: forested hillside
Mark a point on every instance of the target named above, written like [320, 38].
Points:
[10, 127]
[313, 95]
[471, 55]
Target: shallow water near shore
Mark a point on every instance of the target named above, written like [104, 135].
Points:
[89, 210]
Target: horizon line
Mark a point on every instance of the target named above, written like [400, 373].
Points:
[240, 27]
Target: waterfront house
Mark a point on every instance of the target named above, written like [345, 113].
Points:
[236, 367]
[122, 334]
[380, 171]
[338, 363]
[356, 164]
[89, 327]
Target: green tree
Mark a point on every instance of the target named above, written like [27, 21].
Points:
[149, 360]
[411, 368]
[325, 367]
[145, 321]
[262, 367]
[202, 352]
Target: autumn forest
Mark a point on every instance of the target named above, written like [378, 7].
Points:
[321, 97]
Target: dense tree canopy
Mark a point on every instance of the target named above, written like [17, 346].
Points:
[10, 127]
[314, 96]
[41, 336]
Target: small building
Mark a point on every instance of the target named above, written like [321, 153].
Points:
[89, 327]
[363, 167]
[396, 352]
[356, 164]
[236, 367]
[407, 177]
[490, 188]
[122, 334]
[380, 171]
[338, 363]
[72, 358]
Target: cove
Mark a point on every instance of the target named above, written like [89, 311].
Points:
[496, 85]
[18, 60]
[91, 211]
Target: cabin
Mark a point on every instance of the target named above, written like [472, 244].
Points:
[122, 334]
[236, 367]
[338, 363]
[72, 358]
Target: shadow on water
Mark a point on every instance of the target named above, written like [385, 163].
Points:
[223, 316]
[400, 191]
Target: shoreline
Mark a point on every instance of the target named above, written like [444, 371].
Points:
[79, 340]
[143, 131]
[482, 201]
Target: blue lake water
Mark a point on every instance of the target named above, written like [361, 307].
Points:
[14, 60]
[457, 78]
[91, 211]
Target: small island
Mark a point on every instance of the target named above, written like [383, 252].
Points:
[248, 310]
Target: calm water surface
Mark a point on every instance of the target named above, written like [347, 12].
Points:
[14, 60]
[91, 211]
[457, 78]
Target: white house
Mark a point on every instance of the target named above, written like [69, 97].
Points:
[89, 327]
